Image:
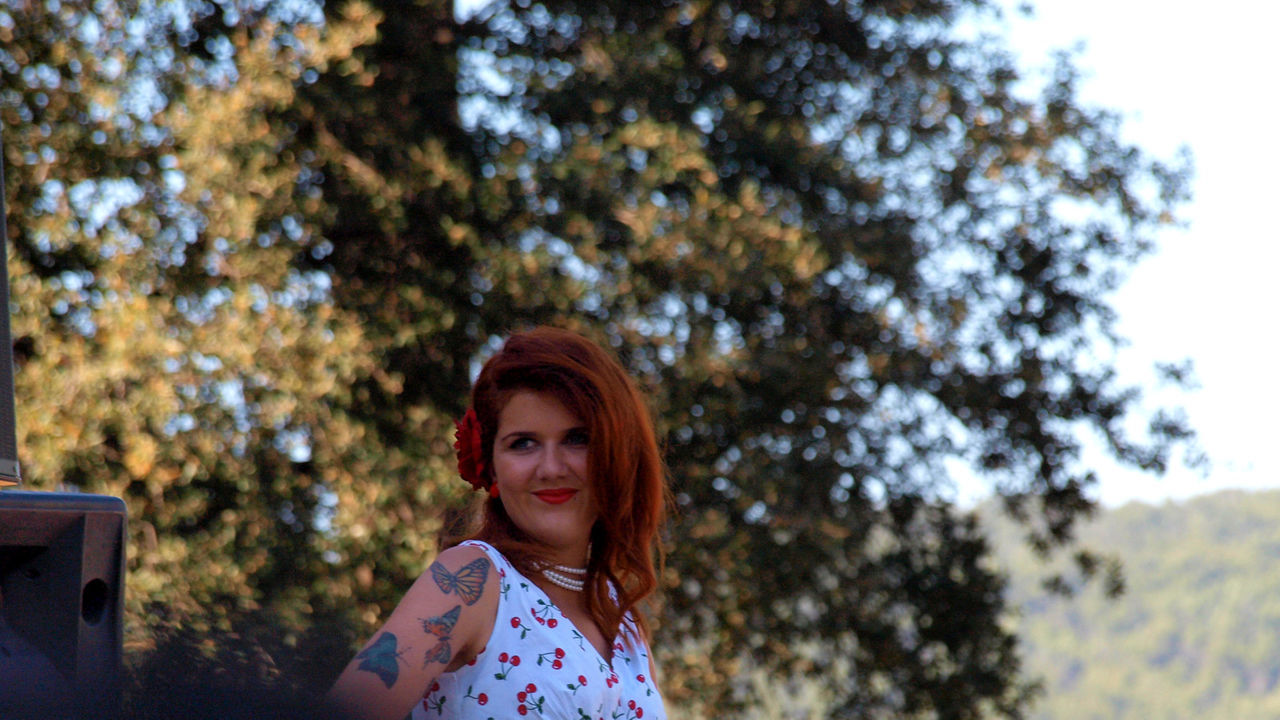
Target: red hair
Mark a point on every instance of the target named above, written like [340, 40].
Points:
[624, 465]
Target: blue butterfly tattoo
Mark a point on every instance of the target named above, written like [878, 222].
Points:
[382, 659]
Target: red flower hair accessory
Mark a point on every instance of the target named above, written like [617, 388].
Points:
[469, 443]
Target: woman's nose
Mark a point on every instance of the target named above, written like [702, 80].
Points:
[553, 464]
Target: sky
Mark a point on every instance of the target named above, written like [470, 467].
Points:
[1184, 74]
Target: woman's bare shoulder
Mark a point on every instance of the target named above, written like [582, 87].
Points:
[466, 555]
[462, 571]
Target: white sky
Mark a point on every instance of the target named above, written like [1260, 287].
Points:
[1186, 73]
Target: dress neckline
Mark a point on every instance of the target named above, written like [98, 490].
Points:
[612, 642]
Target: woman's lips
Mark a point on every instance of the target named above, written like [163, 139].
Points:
[556, 496]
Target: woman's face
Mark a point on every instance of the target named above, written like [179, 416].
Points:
[540, 468]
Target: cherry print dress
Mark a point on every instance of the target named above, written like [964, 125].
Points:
[537, 665]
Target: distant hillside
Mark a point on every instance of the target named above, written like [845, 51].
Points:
[1196, 633]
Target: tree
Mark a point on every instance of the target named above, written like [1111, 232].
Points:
[837, 245]
[167, 350]
[840, 247]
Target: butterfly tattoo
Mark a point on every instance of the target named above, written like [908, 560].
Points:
[381, 659]
[468, 582]
[441, 627]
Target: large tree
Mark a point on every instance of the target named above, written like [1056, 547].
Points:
[842, 244]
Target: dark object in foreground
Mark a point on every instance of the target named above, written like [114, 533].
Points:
[61, 604]
[219, 675]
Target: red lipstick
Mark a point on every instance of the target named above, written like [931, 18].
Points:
[556, 496]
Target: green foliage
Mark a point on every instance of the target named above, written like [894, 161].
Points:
[257, 255]
[1193, 635]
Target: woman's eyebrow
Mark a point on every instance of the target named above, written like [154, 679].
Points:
[534, 433]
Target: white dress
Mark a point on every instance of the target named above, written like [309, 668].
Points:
[536, 664]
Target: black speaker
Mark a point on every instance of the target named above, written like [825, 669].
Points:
[61, 605]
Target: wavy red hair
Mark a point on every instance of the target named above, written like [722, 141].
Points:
[625, 468]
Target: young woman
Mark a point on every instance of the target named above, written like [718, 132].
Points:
[536, 615]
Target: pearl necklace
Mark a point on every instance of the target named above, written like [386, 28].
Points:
[569, 578]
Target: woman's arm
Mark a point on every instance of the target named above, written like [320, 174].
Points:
[442, 622]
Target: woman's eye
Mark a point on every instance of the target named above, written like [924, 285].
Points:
[521, 443]
[576, 437]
